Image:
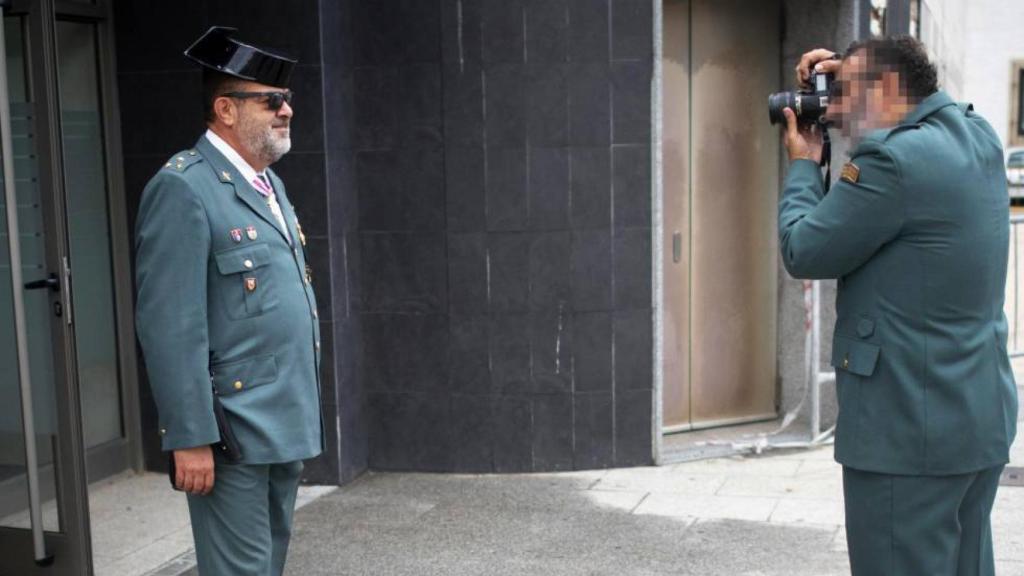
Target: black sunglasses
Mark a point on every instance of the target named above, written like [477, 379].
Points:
[274, 99]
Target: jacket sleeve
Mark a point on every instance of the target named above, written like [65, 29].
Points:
[172, 236]
[830, 236]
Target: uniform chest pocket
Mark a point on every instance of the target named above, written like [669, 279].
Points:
[245, 280]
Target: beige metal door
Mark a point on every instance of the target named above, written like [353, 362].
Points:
[721, 58]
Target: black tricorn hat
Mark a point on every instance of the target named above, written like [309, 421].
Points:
[217, 51]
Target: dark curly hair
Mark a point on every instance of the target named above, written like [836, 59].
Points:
[907, 56]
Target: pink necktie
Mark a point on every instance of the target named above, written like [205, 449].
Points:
[262, 186]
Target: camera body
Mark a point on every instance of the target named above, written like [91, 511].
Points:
[809, 105]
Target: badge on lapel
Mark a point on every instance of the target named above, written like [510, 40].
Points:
[250, 231]
[236, 235]
[250, 284]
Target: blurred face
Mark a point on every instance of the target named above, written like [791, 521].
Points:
[866, 96]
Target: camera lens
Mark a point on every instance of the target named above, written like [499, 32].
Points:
[777, 103]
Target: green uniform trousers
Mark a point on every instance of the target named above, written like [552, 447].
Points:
[920, 525]
[243, 526]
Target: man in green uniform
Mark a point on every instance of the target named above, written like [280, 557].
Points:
[916, 231]
[226, 315]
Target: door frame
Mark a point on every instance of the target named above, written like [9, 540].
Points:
[70, 548]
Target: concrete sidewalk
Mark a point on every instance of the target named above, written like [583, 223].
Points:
[778, 514]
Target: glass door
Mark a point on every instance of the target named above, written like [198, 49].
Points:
[43, 506]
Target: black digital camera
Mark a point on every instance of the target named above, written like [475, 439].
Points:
[808, 105]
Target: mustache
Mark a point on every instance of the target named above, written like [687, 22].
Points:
[283, 124]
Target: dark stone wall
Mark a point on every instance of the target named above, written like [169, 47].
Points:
[474, 177]
[501, 157]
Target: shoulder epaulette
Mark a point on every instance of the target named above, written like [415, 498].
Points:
[183, 161]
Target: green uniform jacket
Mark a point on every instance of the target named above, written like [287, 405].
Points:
[224, 302]
[919, 245]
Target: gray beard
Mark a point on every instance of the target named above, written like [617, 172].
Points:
[264, 143]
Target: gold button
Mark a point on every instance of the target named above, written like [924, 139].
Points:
[846, 362]
[317, 345]
[191, 152]
[315, 315]
[247, 263]
[238, 384]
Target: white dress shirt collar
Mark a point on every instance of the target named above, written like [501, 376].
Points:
[233, 156]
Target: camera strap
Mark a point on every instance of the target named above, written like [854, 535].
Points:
[826, 155]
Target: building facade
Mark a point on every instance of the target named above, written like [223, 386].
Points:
[542, 232]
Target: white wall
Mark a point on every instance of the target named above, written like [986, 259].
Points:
[994, 38]
[944, 32]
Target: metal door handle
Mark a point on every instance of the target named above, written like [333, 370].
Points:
[51, 282]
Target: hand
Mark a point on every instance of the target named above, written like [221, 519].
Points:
[821, 60]
[194, 470]
[802, 141]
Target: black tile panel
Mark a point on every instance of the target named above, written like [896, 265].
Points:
[401, 190]
[146, 127]
[510, 354]
[410, 432]
[591, 270]
[513, 434]
[505, 105]
[509, 271]
[472, 434]
[592, 351]
[631, 166]
[419, 104]
[632, 268]
[634, 350]
[147, 44]
[550, 257]
[403, 272]
[307, 124]
[591, 187]
[461, 31]
[463, 105]
[467, 273]
[396, 31]
[405, 352]
[551, 345]
[547, 104]
[552, 432]
[507, 207]
[588, 30]
[547, 30]
[590, 104]
[464, 189]
[631, 102]
[549, 188]
[632, 29]
[469, 363]
[592, 420]
[502, 30]
[375, 90]
[633, 412]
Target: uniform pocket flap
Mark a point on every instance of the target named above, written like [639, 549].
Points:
[232, 377]
[854, 356]
[242, 258]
